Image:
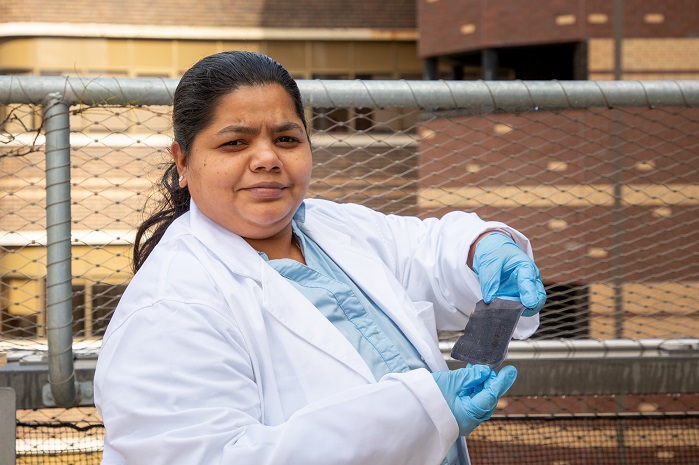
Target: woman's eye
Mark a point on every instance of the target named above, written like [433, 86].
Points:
[288, 140]
[234, 143]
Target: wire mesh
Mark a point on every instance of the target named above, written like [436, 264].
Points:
[652, 429]
[578, 441]
[59, 437]
[608, 197]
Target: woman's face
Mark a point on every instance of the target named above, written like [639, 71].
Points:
[249, 170]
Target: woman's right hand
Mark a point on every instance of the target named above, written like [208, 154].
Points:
[472, 393]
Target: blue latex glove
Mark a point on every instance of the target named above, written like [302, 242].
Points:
[472, 392]
[505, 271]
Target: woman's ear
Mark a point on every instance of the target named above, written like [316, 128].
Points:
[180, 161]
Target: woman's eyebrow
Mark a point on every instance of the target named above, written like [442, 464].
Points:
[240, 129]
[289, 126]
[237, 129]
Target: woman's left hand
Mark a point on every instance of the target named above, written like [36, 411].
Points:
[505, 271]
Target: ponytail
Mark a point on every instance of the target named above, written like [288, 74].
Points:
[174, 203]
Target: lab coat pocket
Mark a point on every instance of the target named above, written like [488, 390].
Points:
[425, 314]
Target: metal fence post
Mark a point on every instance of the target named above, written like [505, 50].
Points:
[59, 274]
[7, 426]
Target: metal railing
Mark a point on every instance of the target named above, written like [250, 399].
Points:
[423, 107]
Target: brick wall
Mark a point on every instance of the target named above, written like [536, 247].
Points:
[387, 14]
[527, 169]
[452, 26]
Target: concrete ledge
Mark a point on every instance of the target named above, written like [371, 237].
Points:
[27, 380]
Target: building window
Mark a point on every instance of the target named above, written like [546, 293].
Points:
[21, 301]
[105, 298]
[566, 313]
[93, 307]
[79, 310]
[17, 326]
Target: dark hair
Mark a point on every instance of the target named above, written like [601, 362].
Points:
[196, 98]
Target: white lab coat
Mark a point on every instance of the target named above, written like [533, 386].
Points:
[213, 358]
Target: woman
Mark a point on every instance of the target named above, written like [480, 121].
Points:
[264, 329]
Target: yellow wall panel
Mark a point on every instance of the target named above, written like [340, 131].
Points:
[94, 53]
[681, 54]
[407, 58]
[118, 54]
[601, 327]
[251, 46]
[60, 54]
[92, 57]
[641, 76]
[331, 56]
[189, 52]
[66, 56]
[17, 54]
[374, 57]
[114, 262]
[600, 55]
[292, 55]
[152, 54]
[647, 298]
[677, 298]
[665, 327]
[651, 310]
[23, 262]
[24, 297]
[600, 76]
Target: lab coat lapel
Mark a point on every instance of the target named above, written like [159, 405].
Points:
[282, 300]
[230, 248]
[369, 274]
[290, 308]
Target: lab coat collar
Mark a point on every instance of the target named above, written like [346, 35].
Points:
[280, 299]
[238, 256]
[231, 249]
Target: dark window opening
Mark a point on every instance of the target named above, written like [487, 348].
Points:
[566, 61]
[566, 313]
[105, 298]
[78, 310]
[18, 326]
[542, 62]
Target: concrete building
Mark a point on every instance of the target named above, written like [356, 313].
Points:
[473, 158]
[163, 38]
[560, 39]
[333, 39]
[547, 173]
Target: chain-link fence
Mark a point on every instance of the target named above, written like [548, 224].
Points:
[602, 177]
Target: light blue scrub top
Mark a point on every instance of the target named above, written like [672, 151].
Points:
[382, 345]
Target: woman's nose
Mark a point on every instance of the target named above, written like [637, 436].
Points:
[265, 158]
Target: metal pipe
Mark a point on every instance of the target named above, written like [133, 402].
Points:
[467, 95]
[617, 163]
[590, 348]
[59, 292]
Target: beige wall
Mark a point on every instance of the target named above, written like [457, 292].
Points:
[91, 57]
[653, 310]
[645, 59]
[23, 288]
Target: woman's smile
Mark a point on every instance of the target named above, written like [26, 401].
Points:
[265, 190]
